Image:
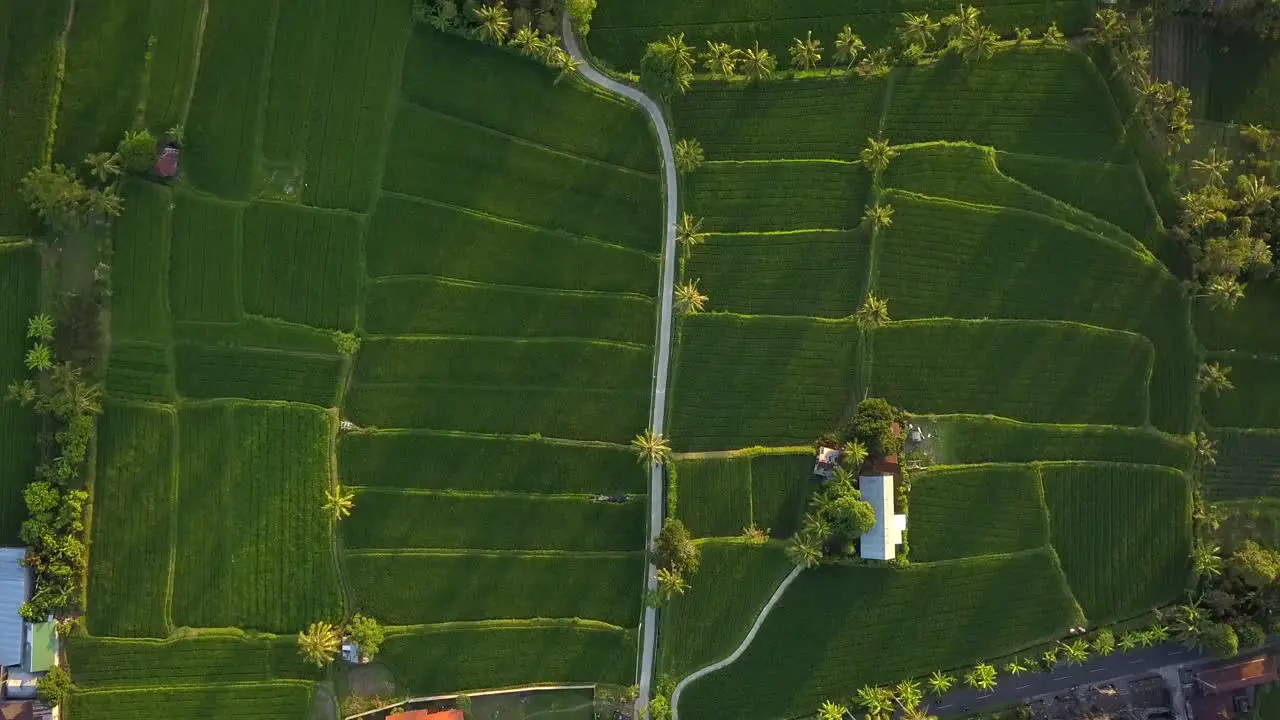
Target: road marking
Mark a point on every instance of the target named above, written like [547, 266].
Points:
[944, 707]
[1097, 670]
[1135, 662]
[1022, 687]
[1064, 677]
[984, 697]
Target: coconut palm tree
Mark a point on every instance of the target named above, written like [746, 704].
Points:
[106, 202]
[1261, 137]
[855, 453]
[104, 166]
[689, 299]
[1224, 292]
[1021, 36]
[758, 63]
[493, 22]
[873, 314]
[1214, 168]
[689, 231]
[320, 643]
[40, 327]
[1015, 668]
[671, 583]
[877, 702]
[1128, 641]
[1215, 378]
[908, 694]
[564, 62]
[917, 30]
[982, 677]
[880, 216]
[444, 16]
[1255, 192]
[526, 39]
[39, 358]
[1108, 26]
[877, 155]
[689, 155]
[339, 501]
[940, 682]
[1104, 643]
[832, 711]
[1076, 651]
[1049, 658]
[1205, 558]
[848, 48]
[807, 53]
[915, 712]
[651, 448]
[721, 58]
[1053, 37]
[1207, 451]
[805, 549]
[977, 42]
[964, 16]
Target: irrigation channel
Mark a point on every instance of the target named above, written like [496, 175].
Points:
[658, 409]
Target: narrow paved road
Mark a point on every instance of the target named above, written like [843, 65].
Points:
[742, 647]
[658, 410]
[1061, 679]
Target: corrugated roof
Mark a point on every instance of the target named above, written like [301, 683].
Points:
[880, 542]
[44, 647]
[13, 592]
[1254, 671]
[427, 715]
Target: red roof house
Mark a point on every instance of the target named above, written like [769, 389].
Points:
[427, 715]
[167, 156]
[1254, 671]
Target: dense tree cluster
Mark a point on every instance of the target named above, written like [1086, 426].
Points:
[531, 28]
[1259, 17]
[677, 558]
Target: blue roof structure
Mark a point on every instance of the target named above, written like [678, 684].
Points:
[13, 592]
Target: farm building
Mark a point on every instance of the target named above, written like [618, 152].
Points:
[1226, 691]
[427, 715]
[27, 650]
[826, 458]
[167, 161]
[881, 541]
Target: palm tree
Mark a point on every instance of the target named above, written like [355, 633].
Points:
[940, 682]
[908, 693]
[689, 299]
[1104, 643]
[320, 643]
[805, 549]
[493, 22]
[39, 358]
[758, 63]
[1215, 378]
[564, 62]
[848, 48]
[873, 314]
[689, 155]
[1214, 168]
[526, 39]
[651, 448]
[104, 166]
[444, 16]
[1021, 35]
[807, 53]
[1077, 651]
[964, 16]
[339, 501]
[721, 58]
[1049, 658]
[1224, 292]
[832, 711]
[855, 453]
[876, 701]
[1254, 191]
[689, 231]
[1158, 633]
[1207, 451]
[977, 42]
[671, 583]
[916, 712]
[106, 202]
[1128, 641]
[1108, 26]
[40, 327]
[877, 155]
[1261, 137]
[1053, 37]
[917, 30]
[986, 676]
[1015, 668]
[880, 216]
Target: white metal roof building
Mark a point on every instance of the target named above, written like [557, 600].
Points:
[881, 541]
[13, 592]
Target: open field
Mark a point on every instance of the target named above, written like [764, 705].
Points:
[980, 510]
[1248, 465]
[132, 522]
[714, 496]
[474, 585]
[253, 538]
[889, 624]
[964, 439]
[773, 196]
[280, 700]
[19, 299]
[1123, 533]
[424, 659]
[705, 624]
[220, 656]
[621, 28]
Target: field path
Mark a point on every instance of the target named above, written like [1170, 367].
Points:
[746, 642]
[658, 410]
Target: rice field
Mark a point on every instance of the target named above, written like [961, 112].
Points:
[714, 496]
[978, 510]
[1122, 532]
[141, 244]
[1251, 403]
[1248, 465]
[210, 657]
[204, 262]
[19, 298]
[965, 439]
[280, 700]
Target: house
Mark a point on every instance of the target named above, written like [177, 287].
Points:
[15, 588]
[351, 653]
[882, 540]
[167, 161]
[1258, 670]
[827, 458]
[21, 710]
[427, 715]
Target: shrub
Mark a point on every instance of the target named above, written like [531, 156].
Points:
[873, 427]
[54, 687]
[1220, 640]
[137, 150]
[675, 549]
[367, 633]
[1251, 635]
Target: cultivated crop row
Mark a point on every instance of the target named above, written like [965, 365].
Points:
[779, 274]
[139, 267]
[709, 620]
[754, 197]
[287, 104]
[569, 117]
[410, 236]
[743, 381]
[1024, 370]
[391, 519]
[140, 371]
[439, 461]
[1252, 402]
[450, 161]
[281, 700]
[302, 264]
[724, 496]
[210, 371]
[406, 588]
[1248, 465]
[253, 536]
[981, 510]
[132, 521]
[20, 288]
[840, 628]
[224, 656]
[961, 439]
[1123, 533]
[1246, 327]
[172, 68]
[204, 267]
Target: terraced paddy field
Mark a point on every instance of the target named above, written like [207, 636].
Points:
[1036, 334]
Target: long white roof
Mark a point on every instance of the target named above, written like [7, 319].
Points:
[881, 541]
[13, 592]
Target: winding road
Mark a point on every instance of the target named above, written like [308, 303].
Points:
[658, 409]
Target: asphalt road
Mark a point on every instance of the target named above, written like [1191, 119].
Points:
[658, 408]
[1061, 679]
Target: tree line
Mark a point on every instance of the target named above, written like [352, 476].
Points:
[531, 30]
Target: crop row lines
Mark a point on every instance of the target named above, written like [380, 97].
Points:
[393, 490]
[390, 279]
